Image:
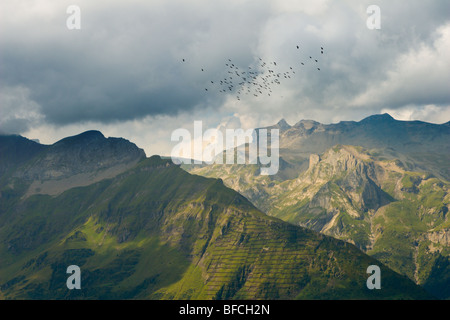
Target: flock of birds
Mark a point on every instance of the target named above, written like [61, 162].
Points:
[256, 81]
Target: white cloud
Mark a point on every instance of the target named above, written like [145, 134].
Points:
[17, 110]
[429, 113]
[310, 7]
[420, 75]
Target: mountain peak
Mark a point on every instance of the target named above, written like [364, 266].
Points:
[283, 125]
[76, 161]
[378, 118]
[91, 135]
[283, 122]
[306, 124]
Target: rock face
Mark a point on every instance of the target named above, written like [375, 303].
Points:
[343, 181]
[441, 237]
[417, 144]
[348, 192]
[313, 160]
[74, 161]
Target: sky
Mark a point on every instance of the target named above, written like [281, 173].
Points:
[122, 72]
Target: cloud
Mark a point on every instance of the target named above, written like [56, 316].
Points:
[18, 111]
[429, 113]
[124, 69]
[356, 61]
[151, 133]
[125, 62]
[420, 76]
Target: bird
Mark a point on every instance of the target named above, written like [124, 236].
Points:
[183, 60]
[257, 81]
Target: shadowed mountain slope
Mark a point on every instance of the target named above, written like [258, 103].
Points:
[158, 232]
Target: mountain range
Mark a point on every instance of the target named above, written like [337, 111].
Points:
[420, 146]
[380, 184]
[144, 228]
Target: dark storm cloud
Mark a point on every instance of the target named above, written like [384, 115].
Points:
[126, 61]
[72, 86]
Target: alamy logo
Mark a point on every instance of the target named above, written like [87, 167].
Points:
[374, 281]
[74, 281]
[73, 22]
[374, 20]
[238, 144]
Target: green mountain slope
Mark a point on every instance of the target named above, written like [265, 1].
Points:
[398, 216]
[157, 232]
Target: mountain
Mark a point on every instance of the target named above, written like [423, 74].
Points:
[74, 161]
[398, 216]
[420, 146]
[154, 231]
[386, 194]
[16, 150]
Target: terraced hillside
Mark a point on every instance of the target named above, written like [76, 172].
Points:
[158, 232]
[357, 195]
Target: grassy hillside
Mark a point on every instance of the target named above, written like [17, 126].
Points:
[157, 232]
[398, 216]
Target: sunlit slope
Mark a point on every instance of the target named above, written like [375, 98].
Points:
[357, 195]
[158, 232]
